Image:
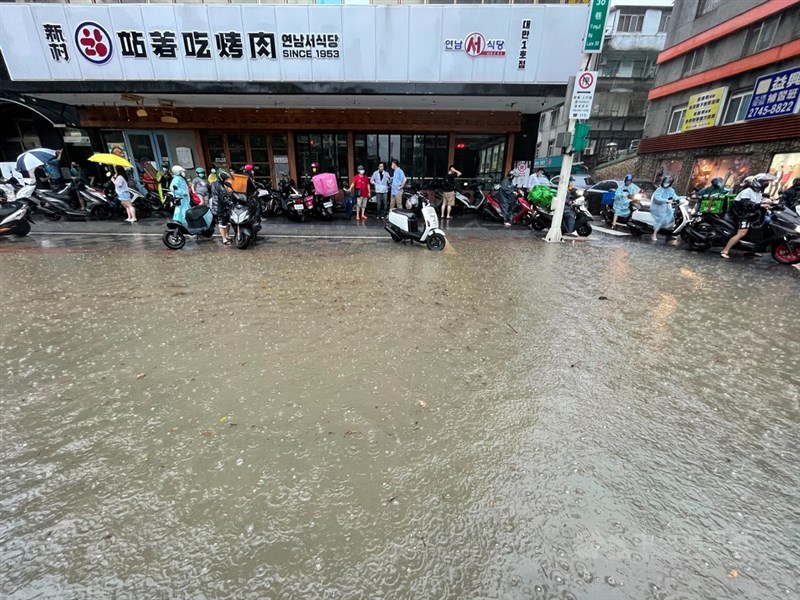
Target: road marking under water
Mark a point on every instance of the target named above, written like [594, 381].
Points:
[610, 231]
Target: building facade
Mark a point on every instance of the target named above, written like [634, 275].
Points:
[283, 86]
[725, 101]
[636, 31]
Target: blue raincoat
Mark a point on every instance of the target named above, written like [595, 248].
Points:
[661, 209]
[622, 199]
[180, 190]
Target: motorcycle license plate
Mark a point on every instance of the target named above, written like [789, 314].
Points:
[298, 207]
[328, 204]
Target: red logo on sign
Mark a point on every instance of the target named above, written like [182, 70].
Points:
[474, 44]
[93, 42]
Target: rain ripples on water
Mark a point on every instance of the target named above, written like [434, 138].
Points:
[367, 420]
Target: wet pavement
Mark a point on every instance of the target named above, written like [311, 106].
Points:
[332, 415]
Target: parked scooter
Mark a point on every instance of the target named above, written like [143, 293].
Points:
[245, 219]
[403, 225]
[199, 221]
[641, 221]
[15, 215]
[777, 232]
[493, 211]
[62, 203]
[543, 219]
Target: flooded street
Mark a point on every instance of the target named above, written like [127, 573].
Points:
[350, 418]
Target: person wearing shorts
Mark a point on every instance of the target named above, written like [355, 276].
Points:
[449, 191]
[398, 183]
[360, 187]
[220, 194]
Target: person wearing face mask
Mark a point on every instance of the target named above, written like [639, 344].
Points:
[361, 186]
[200, 185]
[622, 199]
[380, 180]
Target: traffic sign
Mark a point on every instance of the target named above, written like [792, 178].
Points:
[583, 95]
[595, 28]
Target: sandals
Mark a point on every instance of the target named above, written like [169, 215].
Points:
[226, 243]
[724, 255]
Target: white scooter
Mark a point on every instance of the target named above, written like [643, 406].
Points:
[641, 221]
[403, 225]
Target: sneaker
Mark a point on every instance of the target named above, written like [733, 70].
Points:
[573, 234]
[506, 224]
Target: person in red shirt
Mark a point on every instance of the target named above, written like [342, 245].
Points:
[361, 186]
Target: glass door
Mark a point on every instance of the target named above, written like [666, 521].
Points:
[146, 146]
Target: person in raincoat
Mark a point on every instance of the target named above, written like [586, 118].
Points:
[180, 191]
[661, 206]
[622, 199]
[716, 187]
[201, 186]
[507, 197]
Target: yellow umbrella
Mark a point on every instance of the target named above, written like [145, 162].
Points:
[110, 159]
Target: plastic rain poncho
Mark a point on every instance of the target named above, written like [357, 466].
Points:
[661, 208]
[180, 190]
[622, 199]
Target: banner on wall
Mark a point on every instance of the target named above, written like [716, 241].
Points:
[775, 95]
[199, 42]
[704, 109]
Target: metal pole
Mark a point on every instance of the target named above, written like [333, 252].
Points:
[554, 235]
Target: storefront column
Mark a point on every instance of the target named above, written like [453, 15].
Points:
[292, 163]
[351, 167]
[202, 156]
[509, 152]
[451, 149]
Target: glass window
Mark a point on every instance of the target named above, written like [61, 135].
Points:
[694, 60]
[280, 144]
[761, 36]
[663, 24]
[737, 108]
[328, 149]
[676, 120]
[630, 23]
[480, 156]
[706, 6]
[422, 156]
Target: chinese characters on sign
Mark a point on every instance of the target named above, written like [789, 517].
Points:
[583, 95]
[775, 95]
[54, 35]
[94, 44]
[476, 45]
[595, 29]
[704, 109]
[523, 45]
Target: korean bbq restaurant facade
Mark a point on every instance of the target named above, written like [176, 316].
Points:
[285, 86]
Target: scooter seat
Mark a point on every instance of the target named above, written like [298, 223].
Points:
[406, 213]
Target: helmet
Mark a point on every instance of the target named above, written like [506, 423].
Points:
[178, 170]
[796, 182]
[628, 178]
[200, 171]
[315, 165]
[755, 184]
[223, 175]
[248, 167]
[667, 181]
[717, 182]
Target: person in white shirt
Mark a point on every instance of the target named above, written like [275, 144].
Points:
[746, 210]
[538, 178]
[380, 179]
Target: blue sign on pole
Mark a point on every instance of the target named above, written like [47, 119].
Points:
[775, 95]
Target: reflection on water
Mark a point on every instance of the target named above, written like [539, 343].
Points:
[340, 420]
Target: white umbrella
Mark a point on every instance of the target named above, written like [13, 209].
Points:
[28, 161]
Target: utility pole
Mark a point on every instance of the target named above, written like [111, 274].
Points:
[554, 235]
[593, 45]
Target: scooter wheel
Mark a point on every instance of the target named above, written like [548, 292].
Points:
[782, 253]
[242, 240]
[584, 230]
[173, 239]
[436, 242]
[537, 225]
[24, 228]
[51, 216]
[101, 213]
[634, 231]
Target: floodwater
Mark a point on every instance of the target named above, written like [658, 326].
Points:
[356, 419]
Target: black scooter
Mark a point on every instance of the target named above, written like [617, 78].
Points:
[542, 219]
[776, 231]
[245, 219]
